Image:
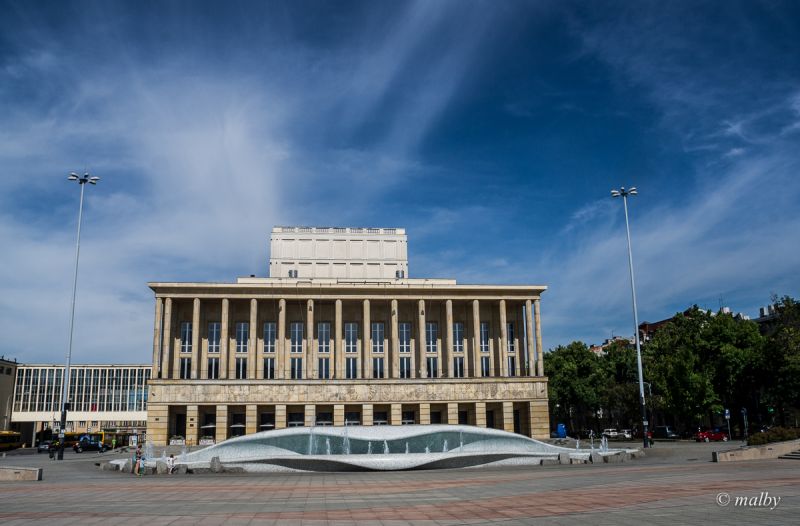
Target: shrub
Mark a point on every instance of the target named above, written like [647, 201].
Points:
[776, 434]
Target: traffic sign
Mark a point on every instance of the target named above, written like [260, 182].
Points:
[727, 414]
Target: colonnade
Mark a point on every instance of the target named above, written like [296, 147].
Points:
[304, 338]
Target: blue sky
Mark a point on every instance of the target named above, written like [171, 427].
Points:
[492, 131]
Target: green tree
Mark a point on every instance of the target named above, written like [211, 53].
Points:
[781, 360]
[573, 379]
[677, 371]
[619, 386]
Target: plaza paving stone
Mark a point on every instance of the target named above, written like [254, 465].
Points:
[674, 484]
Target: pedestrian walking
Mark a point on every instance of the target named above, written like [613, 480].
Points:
[171, 464]
[138, 461]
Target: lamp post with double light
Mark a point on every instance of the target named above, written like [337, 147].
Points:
[622, 192]
[81, 180]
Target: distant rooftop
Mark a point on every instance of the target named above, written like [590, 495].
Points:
[336, 230]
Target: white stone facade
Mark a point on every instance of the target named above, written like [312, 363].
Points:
[338, 252]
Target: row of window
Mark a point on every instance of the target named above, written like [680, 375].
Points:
[350, 368]
[90, 389]
[296, 328]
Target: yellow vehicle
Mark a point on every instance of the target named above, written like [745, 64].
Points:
[10, 440]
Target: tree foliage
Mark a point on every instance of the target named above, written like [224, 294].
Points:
[696, 365]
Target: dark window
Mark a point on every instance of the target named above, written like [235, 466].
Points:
[377, 368]
[405, 367]
[213, 368]
[324, 368]
[297, 368]
[269, 368]
[351, 368]
[241, 368]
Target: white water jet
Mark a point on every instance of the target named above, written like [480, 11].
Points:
[385, 447]
[427, 450]
[444, 447]
[327, 446]
[369, 448]
[406, 448]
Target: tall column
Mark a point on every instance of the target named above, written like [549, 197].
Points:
[480, 414]
[508, 417]
[338, 414]
[452, 413]
[250, 419]
[366, 344]
[201, 330]
[425, 413]
[539, 350]
[311, 345]
[157, 338]
[395, 346]
[367, 415]
[222, 423]
[166, 342]
[448, 355]
[280, 345]
[502, 353]
[338, 358]
[530, 358]
[195, 338]
[177, 346]
[422, 363]
[476, 339]
[396, 417]
[252, 340]
[223, 340]
[192, 425]
[310, 415]
[280, 416]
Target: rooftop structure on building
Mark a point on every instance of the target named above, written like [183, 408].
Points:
[338, 253]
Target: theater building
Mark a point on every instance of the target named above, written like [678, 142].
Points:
[340, 335]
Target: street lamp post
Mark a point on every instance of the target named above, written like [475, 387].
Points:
[82, 180]
[622, 192]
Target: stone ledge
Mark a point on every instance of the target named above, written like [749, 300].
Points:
[773, 450]
[17, 473]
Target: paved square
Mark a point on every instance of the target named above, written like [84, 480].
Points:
[672, 485]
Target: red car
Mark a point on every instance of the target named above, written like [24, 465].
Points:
[711, 435]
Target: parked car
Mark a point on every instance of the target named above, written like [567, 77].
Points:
[711, 435]
[626, 434]
[611, 434]
[665, 432]
[43, 446]
[88, 445]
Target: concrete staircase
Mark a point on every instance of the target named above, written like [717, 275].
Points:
[794, 455]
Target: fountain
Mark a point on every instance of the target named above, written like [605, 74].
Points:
[352, 448]
[148, 451]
